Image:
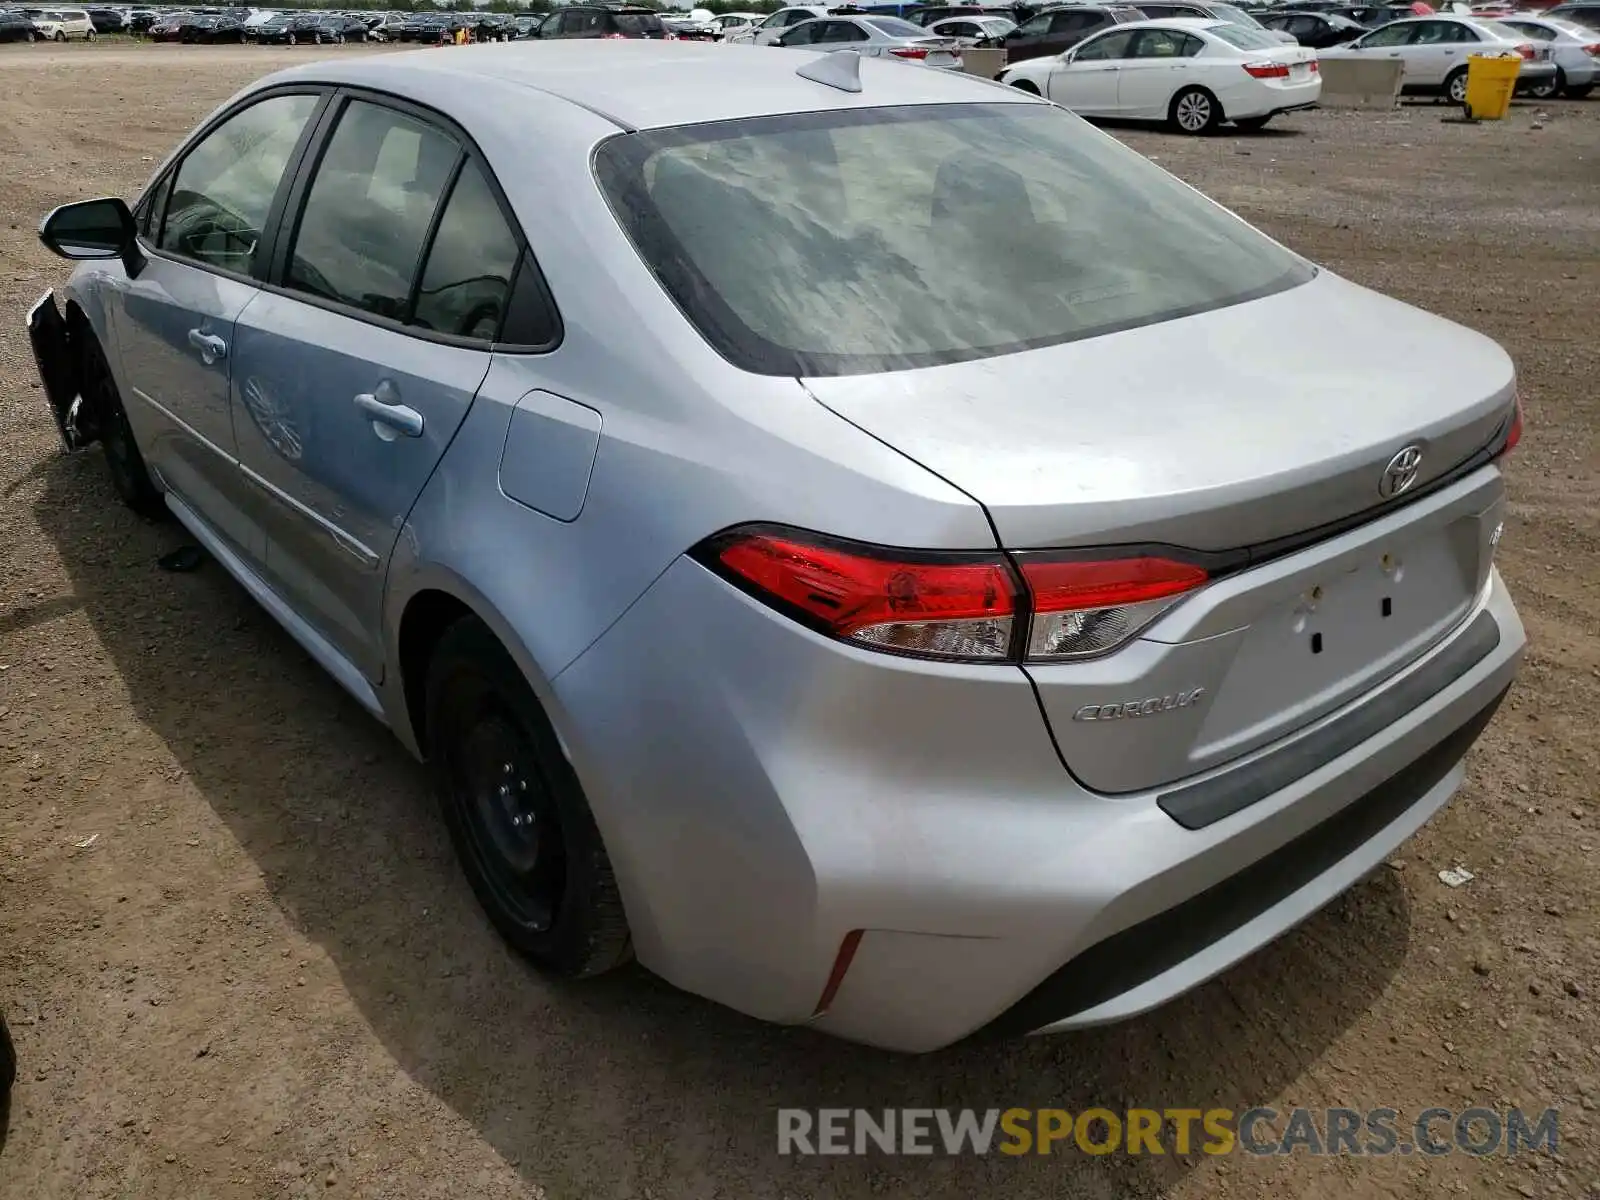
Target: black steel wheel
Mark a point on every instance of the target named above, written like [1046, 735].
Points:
[516, 811]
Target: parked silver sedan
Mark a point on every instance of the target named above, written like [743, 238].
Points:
[1574, 48]
[878, 37]
[835, 531]
[1434, 51]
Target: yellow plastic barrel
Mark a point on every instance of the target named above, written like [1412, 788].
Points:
[1490, 82]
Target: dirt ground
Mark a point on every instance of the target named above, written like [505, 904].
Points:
[239, 960]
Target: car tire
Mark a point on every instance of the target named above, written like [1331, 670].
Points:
[1194, 111]
[1026, 85]
[1252, 124]
[60, 37]
[1545, 91]
[89, 37]
[516, 812]
[8, 1067]
[1578, 93]
[123, 459]
[30, 37]
[290, 40]
[1455, 86]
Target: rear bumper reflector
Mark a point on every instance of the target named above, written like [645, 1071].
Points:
[841, 964]
[1125, 960]
[1210, 800]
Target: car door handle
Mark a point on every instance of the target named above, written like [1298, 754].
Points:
[211, 347]
[397, 417]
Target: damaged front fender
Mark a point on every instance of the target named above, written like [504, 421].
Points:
[57, 356]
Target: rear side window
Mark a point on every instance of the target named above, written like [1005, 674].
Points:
[466, 284]
[224, 186]
[369, 209]
[869, 240]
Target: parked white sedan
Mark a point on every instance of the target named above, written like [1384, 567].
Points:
[1435, 50]
[1192, 73]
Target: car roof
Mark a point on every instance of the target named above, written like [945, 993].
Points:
[641, 84]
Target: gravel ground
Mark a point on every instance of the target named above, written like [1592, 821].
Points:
[264, 977]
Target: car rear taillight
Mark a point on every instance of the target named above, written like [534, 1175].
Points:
[909, 51]
[1593, 50]
[1267, 70]
[1316, 67]
[974, 607]
[1525, 50]
[1514, 433]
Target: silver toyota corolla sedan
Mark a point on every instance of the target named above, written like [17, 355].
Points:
[857, 538]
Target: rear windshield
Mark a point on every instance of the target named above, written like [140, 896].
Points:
[1245, 37]
[637, 22]
[1235, 16]
[871, 240]
[895, 27]
[1502, 31]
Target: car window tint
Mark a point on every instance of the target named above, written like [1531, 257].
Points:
[637, 23]
[1072, 22]
[1111, 45]
[224, 186]
[1245, 38]
[470, 264]
[802, 35]
[1033, 26]
[369, 209]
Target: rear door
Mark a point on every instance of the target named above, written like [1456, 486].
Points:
[1070, 27]
[1433, 52]
[203, 230]
[359, 360]
[1157, 66]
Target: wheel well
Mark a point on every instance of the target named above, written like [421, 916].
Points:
[428, 614]
[1025, 85]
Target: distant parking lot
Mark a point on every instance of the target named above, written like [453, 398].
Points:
[239, 959]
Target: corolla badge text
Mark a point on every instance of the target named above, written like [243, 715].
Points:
[1152, 707]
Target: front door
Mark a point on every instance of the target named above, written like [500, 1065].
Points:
[1088, 84]
[354, 375]
[177, 317]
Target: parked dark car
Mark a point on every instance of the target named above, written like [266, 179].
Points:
[1057, 29]
[346, 27]
[140, 19]
[528, 25]
[1585, 12]
[212, 30]
[108, 20]
[1369, 16]
[604, 21]
[15, 27]
[1317, 30]
[937, 12]
[424, 27]
[171, 26]
[296, 29]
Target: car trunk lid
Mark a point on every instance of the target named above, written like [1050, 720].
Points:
[1267, 433]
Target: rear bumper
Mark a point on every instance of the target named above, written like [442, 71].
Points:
[764, 792]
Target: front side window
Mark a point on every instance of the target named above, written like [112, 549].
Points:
[224, 186]
[1110, 45]
[369, 209]
[798, 244]
[467, 281]
[802, 35]
[1163, 43]
[1397, 34]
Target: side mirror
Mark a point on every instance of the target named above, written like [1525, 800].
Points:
[1067, 56]
[93, 229]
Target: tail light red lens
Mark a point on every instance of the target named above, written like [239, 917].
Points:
[1316, 67]
[976, 607]
[1267, 70]
[1594, 49]
[908, 51]
[1514, 434]
[1525, 50]
[943, 606]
